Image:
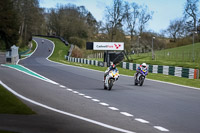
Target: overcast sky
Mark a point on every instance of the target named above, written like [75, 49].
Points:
[164, 10]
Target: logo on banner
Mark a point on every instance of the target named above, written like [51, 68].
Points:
[108, 46]
[117, 46]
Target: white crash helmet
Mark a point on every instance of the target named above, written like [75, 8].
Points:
[144, 65]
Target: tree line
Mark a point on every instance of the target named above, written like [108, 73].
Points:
[124, 21]
[19, 20]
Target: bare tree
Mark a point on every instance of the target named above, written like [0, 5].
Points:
[131, 15]
[176, 29]
[191, 11]
[115, 16]
[145, 16]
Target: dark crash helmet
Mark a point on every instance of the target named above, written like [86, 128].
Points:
[113, 66]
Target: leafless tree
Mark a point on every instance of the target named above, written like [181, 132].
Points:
[190, 12]
[131, 15]
[115, 16]
[144, 17]
[176, 29]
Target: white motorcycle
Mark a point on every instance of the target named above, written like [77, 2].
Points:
[110, 79]
[139, 78]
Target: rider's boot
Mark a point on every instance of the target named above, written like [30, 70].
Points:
[104, 79]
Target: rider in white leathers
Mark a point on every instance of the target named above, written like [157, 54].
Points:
[112, 67]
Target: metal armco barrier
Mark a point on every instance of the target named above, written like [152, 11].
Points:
[167, 70]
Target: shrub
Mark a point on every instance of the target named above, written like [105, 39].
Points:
[77, 41]
[77, 52]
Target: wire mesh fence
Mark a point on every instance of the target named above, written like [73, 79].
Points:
[179, 56]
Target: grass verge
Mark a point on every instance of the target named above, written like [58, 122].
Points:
[10, 104]
[33, 46]
[59, 46]
[32, 49]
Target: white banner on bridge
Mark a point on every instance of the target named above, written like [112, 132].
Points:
[108, 46]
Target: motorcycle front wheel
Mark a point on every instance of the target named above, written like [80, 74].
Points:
[141, 81]
[135, 80]
[105, 88]
[110, 83]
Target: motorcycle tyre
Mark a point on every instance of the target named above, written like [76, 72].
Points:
[105, 88]
[135, 80]
[136, 83]
[110, 83]
[141, 83]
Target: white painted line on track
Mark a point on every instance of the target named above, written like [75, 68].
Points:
[81, 94]
[88, 97]
[75, 92]
[62, 86]
[161, 129]
[126, 114]
[69, 89]
[96, 100]
[65, 113]
[104, 104]
[141, 120]
[113, 108]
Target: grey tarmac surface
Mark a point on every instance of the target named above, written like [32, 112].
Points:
[172, 107]
[47, 121]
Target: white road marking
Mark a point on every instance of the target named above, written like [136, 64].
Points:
[113, 108]
[66, 113]
[69, 89]
[62, 86]
[161, 129]
[126, 114]
[88, 97]
[81, 94]
[96, 100]
[141, 120]
[104, 104]
[75, 92]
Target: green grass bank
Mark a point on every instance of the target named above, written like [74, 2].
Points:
[10, 104]
[180, 56]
